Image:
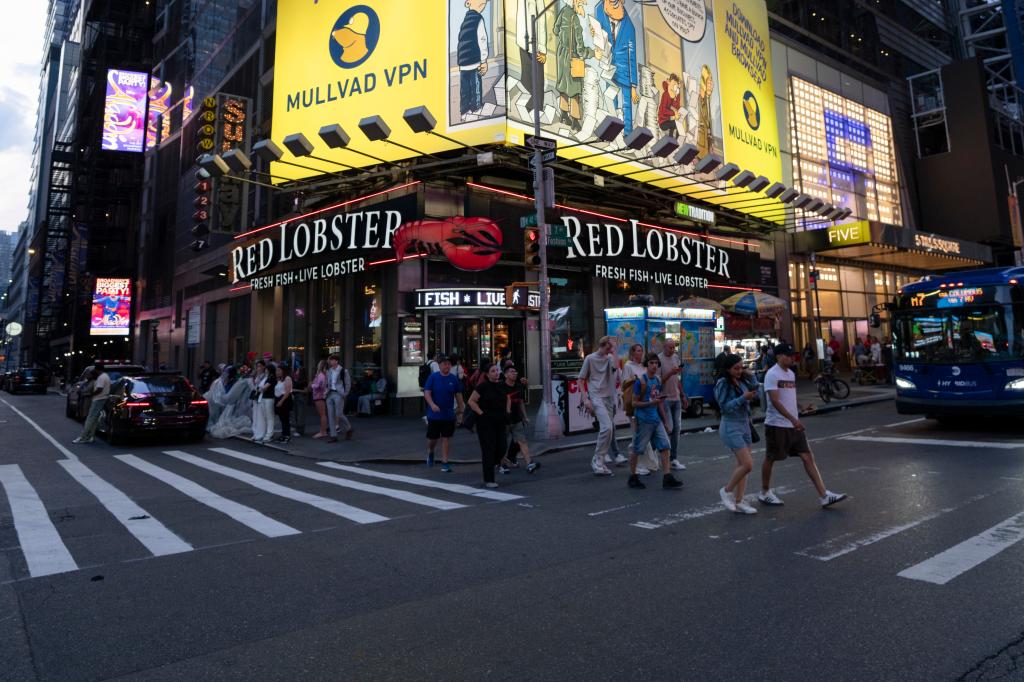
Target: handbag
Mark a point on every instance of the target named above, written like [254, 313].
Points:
[468, 420]
[755, 437]
[577, 68]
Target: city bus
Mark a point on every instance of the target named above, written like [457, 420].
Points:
[958, 344]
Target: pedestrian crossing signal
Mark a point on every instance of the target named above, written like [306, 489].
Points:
[531, 249]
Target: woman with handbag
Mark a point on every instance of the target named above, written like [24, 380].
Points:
[263, 410]
[283, 402]
[318, 391]
[735, 390]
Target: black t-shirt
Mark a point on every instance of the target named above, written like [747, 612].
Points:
[515, 391]
[206, 378]
[493, 399]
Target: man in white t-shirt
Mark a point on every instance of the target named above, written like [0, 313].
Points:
[784, 432]
[100, 393]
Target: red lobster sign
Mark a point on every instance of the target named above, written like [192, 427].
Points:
[471, 244]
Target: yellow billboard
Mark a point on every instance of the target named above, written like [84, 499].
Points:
[338, 61]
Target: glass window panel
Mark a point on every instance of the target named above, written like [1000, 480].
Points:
[830, 304]
[855, 305]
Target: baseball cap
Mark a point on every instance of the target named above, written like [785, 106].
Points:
[785, 349]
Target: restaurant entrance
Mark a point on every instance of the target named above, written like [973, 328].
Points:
[475, 339]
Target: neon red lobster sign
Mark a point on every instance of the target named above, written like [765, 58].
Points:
[471, 244]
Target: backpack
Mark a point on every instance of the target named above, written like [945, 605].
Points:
[627, 396]
[425, 373]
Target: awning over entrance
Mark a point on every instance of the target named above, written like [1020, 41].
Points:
[873, 242]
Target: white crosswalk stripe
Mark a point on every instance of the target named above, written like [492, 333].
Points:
[247, 516]
[328, 505]
[955, 561]
[45, 552]
[412, 480]
[155, 536]
[343, 483]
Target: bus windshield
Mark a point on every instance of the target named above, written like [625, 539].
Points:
[985, 333]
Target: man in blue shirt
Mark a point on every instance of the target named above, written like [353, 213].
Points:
[649, 409]
[442, 392]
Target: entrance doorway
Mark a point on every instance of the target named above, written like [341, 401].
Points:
[475, 339]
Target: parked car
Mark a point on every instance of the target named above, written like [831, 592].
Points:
[28, 380]
[78, 400]
[154, 403]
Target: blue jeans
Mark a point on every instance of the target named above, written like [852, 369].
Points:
[675, 414]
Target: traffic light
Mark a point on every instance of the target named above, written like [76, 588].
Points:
[812, 278]
[531, 249]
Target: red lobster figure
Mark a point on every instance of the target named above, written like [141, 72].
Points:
[471, 244]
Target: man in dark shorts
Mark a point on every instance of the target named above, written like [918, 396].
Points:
[784, 433]
[442, 392]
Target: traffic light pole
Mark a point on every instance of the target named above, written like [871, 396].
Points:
[549, 425]
[816, 323]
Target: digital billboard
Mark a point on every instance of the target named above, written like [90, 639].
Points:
[340, 60]
[694, 70]
[111, 307]
[124, 112]
[159, 106]
[843, 153]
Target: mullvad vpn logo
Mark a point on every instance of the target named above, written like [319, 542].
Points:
[751, 110]
[354, 36]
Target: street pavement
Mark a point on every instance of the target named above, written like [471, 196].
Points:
[225, 560]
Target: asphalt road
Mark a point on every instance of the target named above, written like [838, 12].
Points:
[206, 564]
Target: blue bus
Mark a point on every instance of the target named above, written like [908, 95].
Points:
[958, 344]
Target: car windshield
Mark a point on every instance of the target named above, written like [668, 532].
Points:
[160, 385]
[34, 373]
[959, 335]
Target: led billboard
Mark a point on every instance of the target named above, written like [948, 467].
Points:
[111, 307]
[124, 112]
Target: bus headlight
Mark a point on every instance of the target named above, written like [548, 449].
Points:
[906, 384]
[1015, 385]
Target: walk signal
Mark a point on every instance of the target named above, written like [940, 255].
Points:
[531, 249]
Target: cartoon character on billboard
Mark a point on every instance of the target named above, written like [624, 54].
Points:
[473, 50]
[352, 39]
[611, 15]
[705, 136]
[571, 67]
[668, 108]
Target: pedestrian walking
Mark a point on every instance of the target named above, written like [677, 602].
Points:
[263, 412]
[785, 433]
[207, 375]
[100, 393]
[735, 390]
[490, 403]
[599, 378]
[676, 401]
[631, 373]
[318, 391]
[284, 402]
[300, 399]
[442, 393]
[517, 421]
[649, 405]
[339, 383]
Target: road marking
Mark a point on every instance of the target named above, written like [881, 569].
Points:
[412, 480]
[53, 441]
[937, 441]
[155, 536]
[613, 509]
[909, 421]
[332, 506]
[698, 513]
[41, 544]
[403, 495]
[247, 516]
[945, 566]
[827, 551]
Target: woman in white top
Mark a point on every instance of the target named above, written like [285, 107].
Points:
[283, 402]
[632, 371]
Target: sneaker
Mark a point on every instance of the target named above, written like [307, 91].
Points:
[430, 455]
[286, 439]
[446, 468]
[770, 498]
[744, 508]
[78, 440]
[608, 459]
[504, 470]
[635, 482]
[491, 484]
[676, 465]
[670, 482]
[641, 471]
[727, 499]
[532, 466]
[831, 498]
[602, 471]
[620, 460]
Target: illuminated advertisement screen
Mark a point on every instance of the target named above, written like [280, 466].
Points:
[124, 114]
[843, 154]
[159, 105]
[111, 307]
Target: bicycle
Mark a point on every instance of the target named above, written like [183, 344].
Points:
[829, 386]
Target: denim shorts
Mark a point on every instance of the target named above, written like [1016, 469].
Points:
[650, 433]
[735, 435]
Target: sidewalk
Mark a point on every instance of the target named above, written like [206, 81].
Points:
[403, 439]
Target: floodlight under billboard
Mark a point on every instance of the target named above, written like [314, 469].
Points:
[111, 307]
[124, 113]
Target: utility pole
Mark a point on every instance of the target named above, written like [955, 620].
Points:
[816, 323]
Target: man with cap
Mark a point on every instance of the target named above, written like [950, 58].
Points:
[784, 432]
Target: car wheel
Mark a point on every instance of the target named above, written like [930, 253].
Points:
[114, 435]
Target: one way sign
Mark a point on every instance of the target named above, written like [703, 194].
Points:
[537, 142]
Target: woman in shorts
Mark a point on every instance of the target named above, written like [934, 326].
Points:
[734, 392]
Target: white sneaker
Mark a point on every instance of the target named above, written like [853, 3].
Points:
[676, 465]
[744, 508]
[490, 485]
[641, 471]
[831, 498]
[608, 459]
[727, 499]
[620, 460]
[771, 499]
[598, 468]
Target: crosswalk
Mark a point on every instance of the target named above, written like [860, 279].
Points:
[206, 480]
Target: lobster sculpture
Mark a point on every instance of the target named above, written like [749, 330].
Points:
[470, 244]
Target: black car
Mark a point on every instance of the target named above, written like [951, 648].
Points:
[154, 403]
[78, 400]
[28, 380]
